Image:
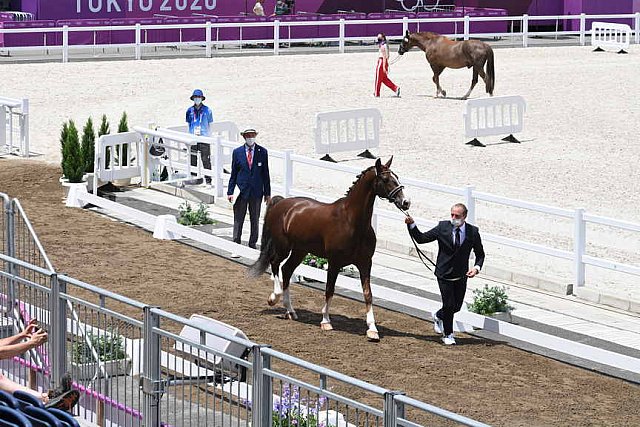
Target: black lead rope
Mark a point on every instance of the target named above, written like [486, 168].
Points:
[421, 255]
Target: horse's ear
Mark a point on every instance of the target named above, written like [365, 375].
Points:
[407, 33]
[378, 167]
[388, 164]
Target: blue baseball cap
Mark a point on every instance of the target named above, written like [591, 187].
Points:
[199, 93]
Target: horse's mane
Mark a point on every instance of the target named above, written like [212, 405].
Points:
[358, 177]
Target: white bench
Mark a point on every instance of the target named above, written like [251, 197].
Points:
[497, 115]
[609, 35]
[347, 130]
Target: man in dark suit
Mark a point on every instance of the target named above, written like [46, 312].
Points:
[456, 239]
[250, 172]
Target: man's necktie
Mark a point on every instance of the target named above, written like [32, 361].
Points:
[457, 243]
[250, 157]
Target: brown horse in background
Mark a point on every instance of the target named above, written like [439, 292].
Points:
[340, 231]
[443, 53]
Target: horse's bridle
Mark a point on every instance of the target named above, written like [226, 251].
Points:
[390, 197]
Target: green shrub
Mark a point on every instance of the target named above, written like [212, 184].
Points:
[189, 216]
[108, 346]
[123, 127]
[104, 130]
[64, 134]
[490, 300]
[315, 261]
[72, 163]
[88, 146]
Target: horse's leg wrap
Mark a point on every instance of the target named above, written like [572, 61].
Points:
[325, 324]
[372, 331]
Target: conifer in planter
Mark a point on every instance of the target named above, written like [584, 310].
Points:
[123, 127]
[104, 130]
[88, 146]
[72, 162]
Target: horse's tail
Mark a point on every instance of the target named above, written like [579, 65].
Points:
[491, 74]
[267, 250]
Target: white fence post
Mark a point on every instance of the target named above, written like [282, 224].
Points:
[637, 28]
[405, 25]
[579, 244]
[24, 128]
[208, 39]
[470, 201]
[525, 30]
[342, 32]
[276, 37]
[65, 43]
[466, 27]
[138, 50]
[288, 173]
[583, 24]
[3, 126]
[217, 178]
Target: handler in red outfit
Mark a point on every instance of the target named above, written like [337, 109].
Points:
[382, 67]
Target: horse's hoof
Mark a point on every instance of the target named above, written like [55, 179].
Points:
[291, 315]
[273, 299]
[326, 326]
[373, 336]
[444, 94]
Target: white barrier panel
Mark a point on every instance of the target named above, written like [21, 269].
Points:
[608, 35]
[228, 131]
[497, 115]
[14, 126]
[347, 130]
[117, 156]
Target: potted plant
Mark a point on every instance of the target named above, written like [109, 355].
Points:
[493, 302]
[194, 217]
[323, 264]
[72, 162]
[88, 151]
[111, 354]
[122, 158]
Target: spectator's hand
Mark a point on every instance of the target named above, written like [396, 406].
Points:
[408, 220]
[30, 328]
[230, 198]
[267, 199]
[38, 338]
[472, 273]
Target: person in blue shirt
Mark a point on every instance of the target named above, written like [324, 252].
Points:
[199, 117]
[250, 172]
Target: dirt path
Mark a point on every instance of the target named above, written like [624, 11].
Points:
[485, 380]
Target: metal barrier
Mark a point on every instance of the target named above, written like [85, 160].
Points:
[132, 370]
[609, 35]
[494, 116]
[347, 130]
[14, 126]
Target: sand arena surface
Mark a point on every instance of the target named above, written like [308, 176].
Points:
[580, 146]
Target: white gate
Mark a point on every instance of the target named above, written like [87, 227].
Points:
[117, 157]
[14, 126]
[608, 35]
[497, 115]
[347, 130]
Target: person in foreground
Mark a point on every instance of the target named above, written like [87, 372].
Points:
[63, 397]
[456, 238]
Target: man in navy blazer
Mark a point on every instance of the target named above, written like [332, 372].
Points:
[456, 238]
[250, 172]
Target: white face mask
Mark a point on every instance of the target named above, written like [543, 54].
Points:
[456, 222]
[197, 101]
[250, 141]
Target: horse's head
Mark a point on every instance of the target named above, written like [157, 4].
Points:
[387, 185]
[406, 43]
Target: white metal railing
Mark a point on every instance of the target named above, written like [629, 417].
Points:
[140, 31]
[287, 188]
[14, 126]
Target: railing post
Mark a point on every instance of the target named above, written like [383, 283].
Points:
[342, 32]
[637, 35]
[579, 244]
[267, 392]
[65, 43]
[276, 37]
[217, 178]
[405, 25]
[11, 251]
[24, 128]
[288, 173]
[466, 27]
[145, 173]
[138, 50]
[259, 409]
[58, 329]
[525, 30]
[208, 40]
[151, 385]
[470, 201]
[391, 408]
[583, 24]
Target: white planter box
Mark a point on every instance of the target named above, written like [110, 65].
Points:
[86, 371]
[504, 316]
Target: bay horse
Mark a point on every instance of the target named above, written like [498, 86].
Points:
[340, 231]
[443, 53]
